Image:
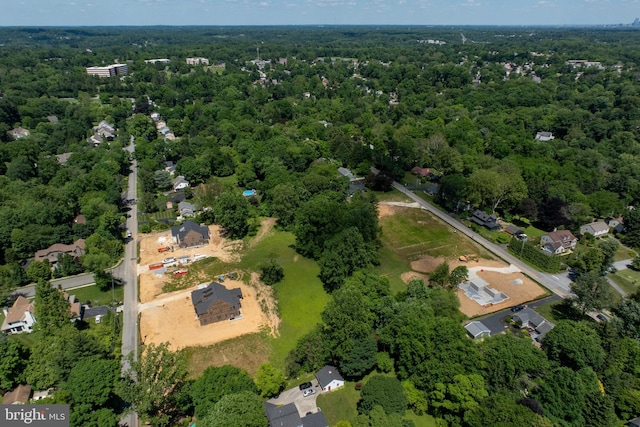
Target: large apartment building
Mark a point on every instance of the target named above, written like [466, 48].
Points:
[109, 70]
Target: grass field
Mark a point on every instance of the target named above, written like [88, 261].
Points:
[300, 295]
[624, 253]
[342, 405]
[96, 296]
[168, 214]
[415, 234]
[628, 280]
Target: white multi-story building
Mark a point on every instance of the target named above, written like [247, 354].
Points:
[196, 61]
[109, 70]
[19, 318]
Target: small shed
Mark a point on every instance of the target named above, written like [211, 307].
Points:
[329, 378]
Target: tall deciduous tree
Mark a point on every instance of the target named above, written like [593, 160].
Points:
[13, 361]
[232, 213]
[242, 409]
[269, 380]
[592, 291]
[386, 392]
[574, 344]
[216, 382]
[152, 382]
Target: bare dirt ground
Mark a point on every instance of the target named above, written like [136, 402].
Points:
[390, 208]
[527, 291]
[265, 226]
[219, 247]
[518, 294]
[171, 318]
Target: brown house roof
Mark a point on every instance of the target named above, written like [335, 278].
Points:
[51, 253]
[20, 305]
[19, 394]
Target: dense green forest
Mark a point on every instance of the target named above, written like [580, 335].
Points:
[278, 111]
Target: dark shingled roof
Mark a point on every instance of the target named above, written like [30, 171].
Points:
[204, 298]
[182, 230]
[328, 374]
[283, 416]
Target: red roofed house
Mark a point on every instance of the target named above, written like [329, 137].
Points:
[19, 318]
[423, 172]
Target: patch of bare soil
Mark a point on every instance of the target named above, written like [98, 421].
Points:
[410, 275]
[385, 210]
[265, 226]
[427, 264]
[527, 291]
[267, 302]
[218, 247]
[171, 318]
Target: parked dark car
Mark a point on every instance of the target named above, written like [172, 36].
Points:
[517, 308]
[305, 385]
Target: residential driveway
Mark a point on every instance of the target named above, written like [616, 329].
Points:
[496, 321]
[304, 404]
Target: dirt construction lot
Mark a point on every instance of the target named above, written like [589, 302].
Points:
[526, 290]
[172, 318]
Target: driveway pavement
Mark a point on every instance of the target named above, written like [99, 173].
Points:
[495, 321]
[294, 395]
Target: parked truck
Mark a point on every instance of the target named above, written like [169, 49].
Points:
[165, 249]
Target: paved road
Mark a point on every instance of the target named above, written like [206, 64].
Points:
[556, 283]
[130, 277]
[65, 283]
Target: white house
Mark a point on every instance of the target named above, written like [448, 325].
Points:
[544, 136]
[477, 329]
[180, 183]
[329, 378]
[559, 241]
[596, 229]
[19, 318]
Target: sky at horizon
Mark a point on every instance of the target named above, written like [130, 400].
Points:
[316, 12]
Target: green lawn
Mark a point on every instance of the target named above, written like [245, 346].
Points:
[624, 253]
[559, 310]
[628, 280]
[340, 404]
[413, 234]
[96, 296]
[300, 295]
[391, 196]
[168, 214]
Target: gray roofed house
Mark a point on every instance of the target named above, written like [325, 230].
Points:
[63, 158]
[288, 416]
[180, 183]
[215, 303]
[477, 329]
[329, 378]
[355, 183]
[544, 136]
[532, 320]
[596, 229]
[52, 119]
[90, 312]
[283, 416]
[186, 209]
[190, 234]
[484, 219]
[513, 230]
[634, 422]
